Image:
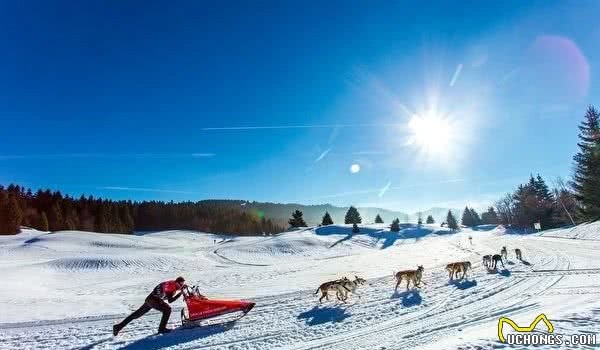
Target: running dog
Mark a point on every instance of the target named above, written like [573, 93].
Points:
[350, 286]
[504, 253]
[518, 254]
[487, 260]
[495, 259]
[456, 267]
[410, 275]
[337, 286]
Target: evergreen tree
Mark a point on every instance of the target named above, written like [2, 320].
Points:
[586, 179]
[43, 224]
[127, 220]
[451, 220]
[430, 219]
[296, 220]
[56, 218]
[490, 217]
[3, 211]
[355, 228]
[352, 216]
[378, 219]
[101, 219]
[327, 219]
[12, 216]
[542, 190]
[420, 220]
[475, 217]
[467, 218]
[395, 227]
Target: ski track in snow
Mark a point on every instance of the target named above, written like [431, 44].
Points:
[85, 276]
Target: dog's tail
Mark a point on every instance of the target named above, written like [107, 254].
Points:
[317, 290]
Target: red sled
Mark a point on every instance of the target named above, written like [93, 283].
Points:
[200, 311]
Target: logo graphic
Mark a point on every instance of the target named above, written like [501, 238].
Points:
[503, 320]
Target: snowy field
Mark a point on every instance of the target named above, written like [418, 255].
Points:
[66, 290]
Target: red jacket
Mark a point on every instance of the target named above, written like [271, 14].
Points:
[165, 289]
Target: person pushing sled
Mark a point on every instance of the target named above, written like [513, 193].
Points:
[198, 307]
[156, 300]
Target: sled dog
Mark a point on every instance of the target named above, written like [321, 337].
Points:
[337, 286]
[504, 253]
[495, 259]
[350, 286]
[410, 275]
[518, 254]
[487, 260]
[456, 267]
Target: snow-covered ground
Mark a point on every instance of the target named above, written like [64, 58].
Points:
[65, 290]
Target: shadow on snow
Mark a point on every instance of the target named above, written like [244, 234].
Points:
[463, 284]
[177, 337]
[409, 298]
[407, 231]
[323, 314]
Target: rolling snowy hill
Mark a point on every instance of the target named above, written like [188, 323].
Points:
[66, 289]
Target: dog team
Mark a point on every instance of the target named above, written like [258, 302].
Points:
[345, 286]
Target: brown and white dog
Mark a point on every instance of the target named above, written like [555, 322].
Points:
[410, 275]
[456, 267]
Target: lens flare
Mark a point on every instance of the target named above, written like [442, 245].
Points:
[354, 168]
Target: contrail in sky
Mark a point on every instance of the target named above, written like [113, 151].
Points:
[456, 74]
[384, 189]
[322, 155]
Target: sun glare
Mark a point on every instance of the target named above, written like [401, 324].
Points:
[430, 133]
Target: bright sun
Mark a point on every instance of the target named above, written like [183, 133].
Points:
[431, 133]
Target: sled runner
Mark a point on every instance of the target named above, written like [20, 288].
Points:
[200, 311]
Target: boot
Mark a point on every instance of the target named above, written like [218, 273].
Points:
[164, 330]
[116, 329]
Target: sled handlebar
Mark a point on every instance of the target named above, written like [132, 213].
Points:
[191, 291]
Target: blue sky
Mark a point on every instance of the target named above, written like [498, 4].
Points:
[275, 101]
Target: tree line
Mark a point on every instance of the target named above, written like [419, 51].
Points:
[51, 211]
[575, 202]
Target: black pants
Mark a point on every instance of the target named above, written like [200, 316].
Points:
[152, 302]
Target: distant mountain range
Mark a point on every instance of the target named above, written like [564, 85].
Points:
[280, 213]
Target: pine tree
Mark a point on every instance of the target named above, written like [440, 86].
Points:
[467, 218]
[430, 219]
[586, 179]
[395, 226]
[420, 220]
[127, 220]
[352, 216]
[475, 217]
[355, 228]
[542, 190]
[56, 218]
[101, 219]
[43, 224]
[327, 219]
[11, 216]
[378, 219]
[3, 211]
[490, 217]
[296, 220]
[451, 220]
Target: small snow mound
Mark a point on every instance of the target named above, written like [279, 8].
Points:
[589, 231]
